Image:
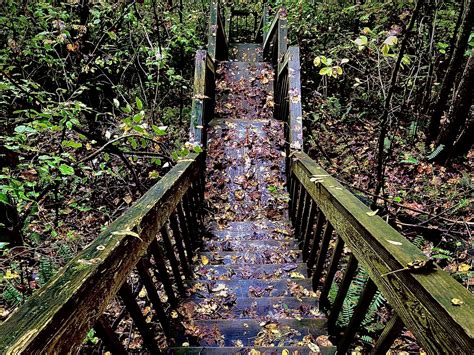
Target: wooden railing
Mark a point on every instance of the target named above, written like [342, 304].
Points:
[159, 232]
[204, 97]
[424, 298]
[275, 42]
[218, 45]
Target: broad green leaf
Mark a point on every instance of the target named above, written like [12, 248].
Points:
[66, 169]
[139, 103]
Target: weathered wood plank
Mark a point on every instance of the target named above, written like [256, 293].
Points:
[295, 119]
[56, 318]
[196, 129]
[391, 331]
[422, 300]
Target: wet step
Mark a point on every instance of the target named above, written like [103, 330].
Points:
[256, 256]
[298, 288]
[244, 90]
[245, 272]
[288, 350]
[251, 307]
[246, 52]
[242, 245]
[255, 225]
[250, 332]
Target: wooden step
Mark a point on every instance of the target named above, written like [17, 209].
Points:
[254, 272]
[288, 350]
[252, 307]
[251, 332]
[298, 288]
[248, 245]
[257, 225]
[254, 256]
[246, 52]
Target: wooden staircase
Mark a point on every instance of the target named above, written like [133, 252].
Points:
[251, 288]
[246, 245]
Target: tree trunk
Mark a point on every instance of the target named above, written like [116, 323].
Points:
[458, 112]
[464, 143]
[450, 76]
[380, 171]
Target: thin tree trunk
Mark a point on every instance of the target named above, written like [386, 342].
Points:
[450, 76]
[464, 143]
[458, 112]
[380, 178]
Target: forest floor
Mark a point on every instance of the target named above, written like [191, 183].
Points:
[429, 204]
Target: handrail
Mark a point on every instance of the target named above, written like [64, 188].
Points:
[288, 98]
[275, 43]
[261, 31]
[218, 46]
[56, 318]
[430, 303]
[202, 110]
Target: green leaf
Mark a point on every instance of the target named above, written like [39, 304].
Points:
[112, 35]
[197, 149]
[139, 103]
[391, 41]
[66, 169]
[4, 198]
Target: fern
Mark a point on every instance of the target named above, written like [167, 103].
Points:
[65, 252]
[436, 152]
[46, 270]
[11, 295]
[419, 241]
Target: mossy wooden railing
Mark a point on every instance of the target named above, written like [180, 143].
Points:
[217, 44]
[435, 307]
[158, 233]
[322, 209]
[204, 96]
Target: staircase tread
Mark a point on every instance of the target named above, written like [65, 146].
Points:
[231, 307]
[250, 332]
[297, 288]
[246, 52]
[248, 244]
[276, 350]
[245, 271]
[256, 256]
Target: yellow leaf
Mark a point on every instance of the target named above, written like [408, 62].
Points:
[464, 267]
[285, 352]
[457, 302]
[372, 213]
[204, 260]
[174, 314]
[11, 275]
[296, 275]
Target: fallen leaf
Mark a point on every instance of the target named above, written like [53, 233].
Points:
[204, 260]
[372, 213]
[457, 302]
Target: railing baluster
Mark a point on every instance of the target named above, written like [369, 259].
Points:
[144, 273]
[304, 217]
[336, 308]
[391, 331]
[186, 233]
[293, 187]
[172, 259]
[191, 220]
[179, 245]
[336, 257]
[133, 308]
[308, 227]
[108, 336]
[157, 252]
[358, 316]
[323, 250]
[316, 239]
[296, 201]
[299, 211]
